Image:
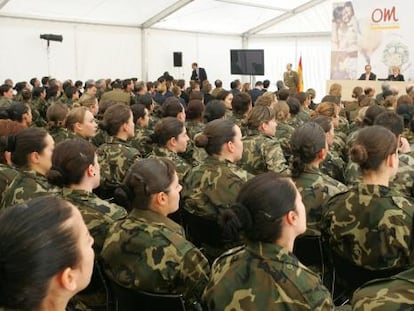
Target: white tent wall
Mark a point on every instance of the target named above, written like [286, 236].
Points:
[316, 54]
[211, 52]
[87, 51]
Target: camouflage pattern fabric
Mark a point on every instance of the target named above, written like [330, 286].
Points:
[264, 276]
[211, 186]
[147, 251]
[316, 188]
[389, 294]
[263, 153]
[98, 214]
[115, 157]
[369, 225]
[295, 122]
[283, 134]
[403, 181]
[5, 102]
[59, 134]
[237, 118]
[304, 114]
[181, 166]
[41, 105]
[193, 128]
[141, 141]
[101, 136]
[7, 174]
[25, 186]
[333, 166]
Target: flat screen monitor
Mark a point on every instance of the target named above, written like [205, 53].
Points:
[247, 62]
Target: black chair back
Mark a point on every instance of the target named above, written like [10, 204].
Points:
[132, 300]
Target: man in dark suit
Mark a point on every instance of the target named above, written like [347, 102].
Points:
[395, 76]
[368, 75]
[198, 74]
[256, 91]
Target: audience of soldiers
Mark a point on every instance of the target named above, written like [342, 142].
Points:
[254, 174]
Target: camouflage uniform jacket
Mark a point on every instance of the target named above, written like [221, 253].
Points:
[316, 188]
[333, 166]
[211, 186]
[7, 174]
[115, 157]
[100, 138]
[193, 128]
[304, 114]
[141, 141]
[59, 134]
[263, 276]
[148, 251]
[369, 225]
[295, 122]
[263, 153]
[389, 294]
[283, 133]
[98, 214]
[5, 102]
[25, 186]
[403, 181]
[182, 167]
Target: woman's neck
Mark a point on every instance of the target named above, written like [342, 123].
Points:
[376, 178]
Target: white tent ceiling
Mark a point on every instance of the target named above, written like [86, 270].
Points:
[238, 17]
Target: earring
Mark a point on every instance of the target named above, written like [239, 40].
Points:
[94, 174]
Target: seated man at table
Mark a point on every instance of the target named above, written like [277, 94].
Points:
[368, 75]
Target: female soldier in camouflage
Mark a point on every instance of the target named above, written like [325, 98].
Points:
[283, 130]
[170, 136]
[309, 148]
[81, 123]
[261, 152]
[116, 155]
[56, 121]
[148, 251]
[31, 153]
[7, 171]
[141, 138]
[264, 274]
[75, 169]
[369, 224]
[213, 185]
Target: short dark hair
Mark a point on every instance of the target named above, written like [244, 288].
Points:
[114, 117]
[241, 103]
[165, 129]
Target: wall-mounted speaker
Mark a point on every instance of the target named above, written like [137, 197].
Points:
[178, 59]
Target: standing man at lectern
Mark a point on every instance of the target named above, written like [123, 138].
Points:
[395, 76]
[368, 75]
[198, 74]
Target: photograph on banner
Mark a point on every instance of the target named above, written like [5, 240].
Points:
[375, 33]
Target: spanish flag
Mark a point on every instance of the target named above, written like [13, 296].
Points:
[300, 76]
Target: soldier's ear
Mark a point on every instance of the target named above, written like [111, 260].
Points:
[34, 157]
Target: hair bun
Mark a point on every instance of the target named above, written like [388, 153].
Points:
[358, 154]
[201, 140]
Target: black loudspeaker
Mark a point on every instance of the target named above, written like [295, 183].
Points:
[178, 59]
